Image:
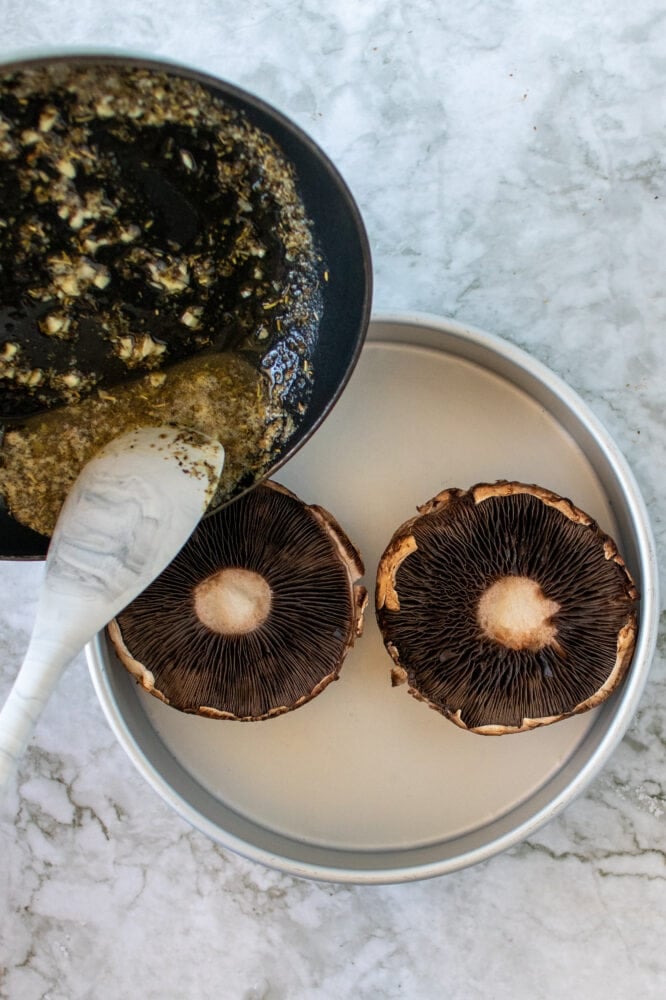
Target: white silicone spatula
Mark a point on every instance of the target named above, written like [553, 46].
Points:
[132, 508]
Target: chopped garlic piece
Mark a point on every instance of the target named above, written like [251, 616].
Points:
[66, 168]
[192, 317]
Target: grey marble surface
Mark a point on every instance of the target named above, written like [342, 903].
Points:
[507, 156]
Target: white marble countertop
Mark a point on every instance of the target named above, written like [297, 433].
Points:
[508, 158]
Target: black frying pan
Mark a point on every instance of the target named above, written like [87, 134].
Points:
[340, 239]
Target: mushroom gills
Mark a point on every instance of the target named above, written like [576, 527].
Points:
[254, 617]
[505, 607]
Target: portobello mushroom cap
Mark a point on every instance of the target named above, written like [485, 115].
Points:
[505, 607]
[255, 615]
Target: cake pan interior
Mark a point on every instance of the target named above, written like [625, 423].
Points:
[365, 784]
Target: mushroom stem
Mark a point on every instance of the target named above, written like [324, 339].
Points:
[234, 601]
[515, 612]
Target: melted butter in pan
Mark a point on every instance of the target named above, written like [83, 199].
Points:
[142, 220]
[221, 395]
[156, 265]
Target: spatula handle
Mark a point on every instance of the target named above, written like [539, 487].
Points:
[32, 688]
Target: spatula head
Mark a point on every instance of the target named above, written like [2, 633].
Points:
[131, 509]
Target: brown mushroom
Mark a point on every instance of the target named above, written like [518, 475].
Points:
[505, 607]
[255, 615]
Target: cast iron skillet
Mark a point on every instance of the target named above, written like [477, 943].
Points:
[340, 237]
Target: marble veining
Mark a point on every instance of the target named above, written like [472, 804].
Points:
[507, 157]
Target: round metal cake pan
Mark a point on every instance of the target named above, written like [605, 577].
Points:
[365, 784]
